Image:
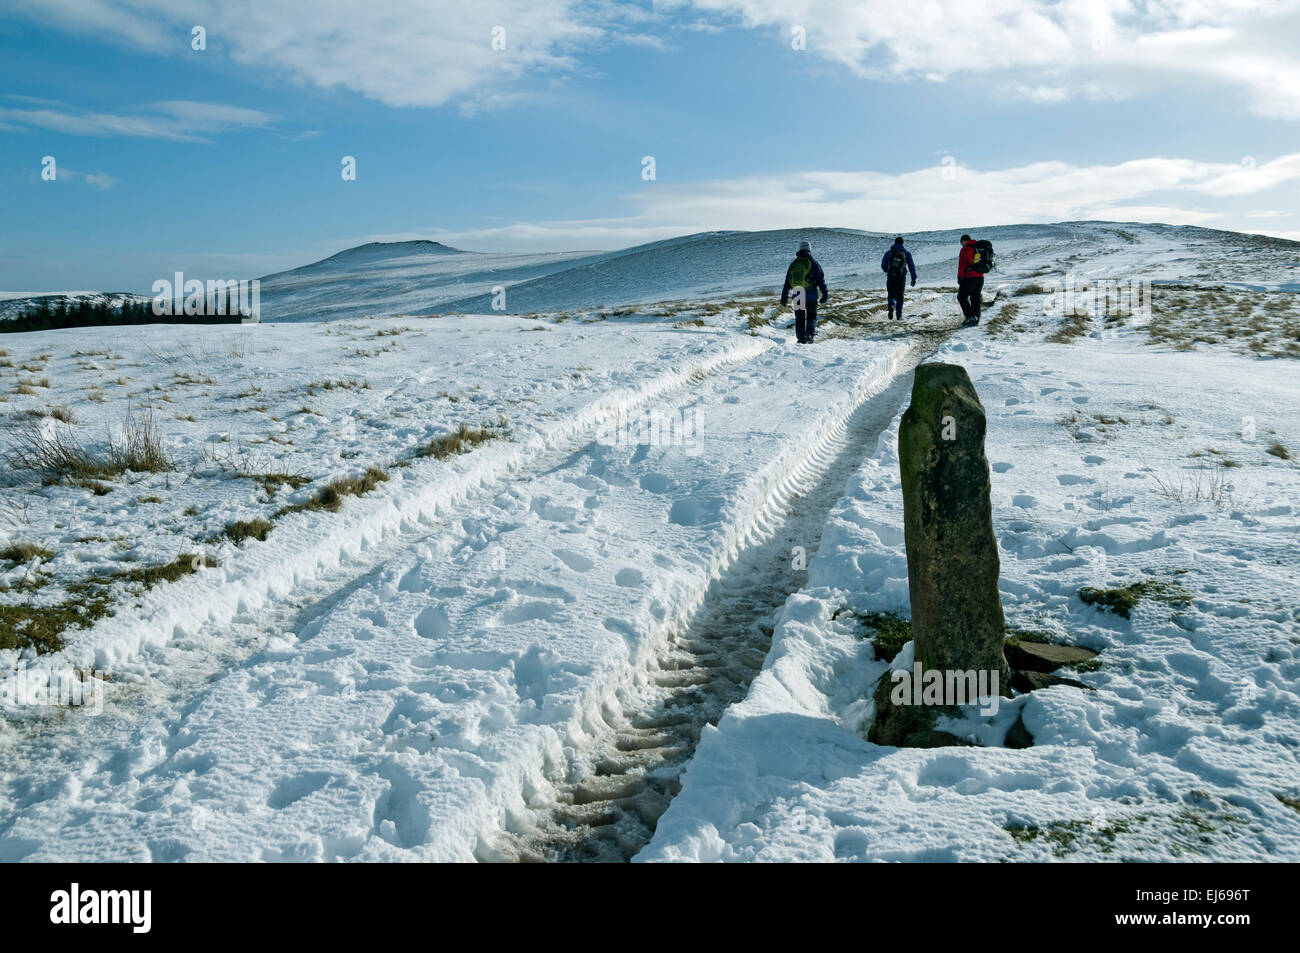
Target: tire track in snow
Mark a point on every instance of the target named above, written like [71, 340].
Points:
[331, 548]
[422, 708]
[195, 630]
[626, 779]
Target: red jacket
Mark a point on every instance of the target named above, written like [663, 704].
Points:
[965, 259]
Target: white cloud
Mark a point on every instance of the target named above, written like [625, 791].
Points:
[1048, 50]
[1173, 191]
[176, 120]
[98, 180]
[400, 52]
[438, 52]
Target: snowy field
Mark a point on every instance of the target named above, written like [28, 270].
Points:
[1190, 739]
[399, 576]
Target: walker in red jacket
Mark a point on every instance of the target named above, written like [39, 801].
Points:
[970, 283]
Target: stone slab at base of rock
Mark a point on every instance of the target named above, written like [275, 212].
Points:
[1033, 681]
[1044, 656]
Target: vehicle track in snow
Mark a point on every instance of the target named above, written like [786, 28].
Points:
[629, 777]
[149, 745]
[155, 699]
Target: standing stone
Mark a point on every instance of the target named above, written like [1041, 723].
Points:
[952, 554]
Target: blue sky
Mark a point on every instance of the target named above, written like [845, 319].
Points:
[226, 162]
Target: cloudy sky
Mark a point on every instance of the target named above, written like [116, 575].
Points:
[226, 161]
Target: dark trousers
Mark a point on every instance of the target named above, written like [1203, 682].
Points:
[968, 296]
[894, 285]
[805, 320]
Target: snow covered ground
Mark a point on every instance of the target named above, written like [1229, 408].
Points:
[1111, 464]
[411, 668]
[444, 686]
[259, 419]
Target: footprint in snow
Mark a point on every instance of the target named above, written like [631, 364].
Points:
[655, 483]
[553, 512]
[575, 561]
[629, 577]
[432, 623]
[524, 612]
[293, 789]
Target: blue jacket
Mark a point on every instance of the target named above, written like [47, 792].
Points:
[817, 277]
[884, 262]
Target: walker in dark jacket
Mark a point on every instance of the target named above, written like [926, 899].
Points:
[896, 276]
[805, 311]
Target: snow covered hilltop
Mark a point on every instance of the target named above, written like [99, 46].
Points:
[614, 572]
[426, 277]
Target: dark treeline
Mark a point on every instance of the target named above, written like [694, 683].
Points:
[47, 316]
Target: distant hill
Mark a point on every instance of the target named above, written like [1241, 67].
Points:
[376, 254]
[396, 278]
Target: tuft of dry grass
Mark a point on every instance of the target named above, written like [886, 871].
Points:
[1075, 423]
[24, 553]
[272, 481]
[331, 496]
[314, 388]
[1004, 319]
[1077, 324]
[58, 452]
[94, 486]
[240, 530]
[58, 412]
[1279, 450]
[461, 440]
[1202, 485]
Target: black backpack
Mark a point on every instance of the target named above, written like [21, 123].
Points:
[983, 260]
[898, 262]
